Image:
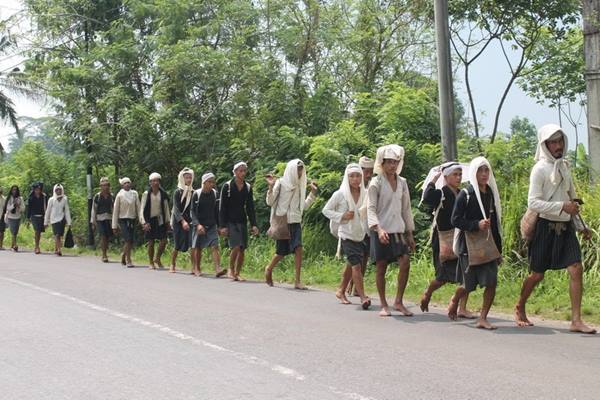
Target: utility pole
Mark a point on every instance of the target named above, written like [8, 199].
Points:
[591, 43]
[444, 66]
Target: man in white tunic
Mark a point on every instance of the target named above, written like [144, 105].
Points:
[554, 244]
[391, 223]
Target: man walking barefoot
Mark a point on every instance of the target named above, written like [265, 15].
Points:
[554, 244]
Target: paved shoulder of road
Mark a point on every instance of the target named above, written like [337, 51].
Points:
[75, 328]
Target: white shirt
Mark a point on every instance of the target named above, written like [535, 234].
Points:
[57, 211]
[288, 202]
[154, 208]
[11, 205]
[127, 206]
[388, 209]
[544, 198]
[335, 208]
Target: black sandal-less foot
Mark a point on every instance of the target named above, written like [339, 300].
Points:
[366, 304]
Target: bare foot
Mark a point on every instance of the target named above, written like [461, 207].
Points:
[342, 297]
[484, 324]
[240, 278]
[230, 274]
[220, 272]
[579, 326]
[159, 264]
[425, 299]
[466, 314]
[385, 312]
[152, 266]
[521, 317]
[400, 307]
[269, 276]
[172, 269]
[196, 272]
[452, 309]
[300, 286]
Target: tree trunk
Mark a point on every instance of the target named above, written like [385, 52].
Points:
[591, 33]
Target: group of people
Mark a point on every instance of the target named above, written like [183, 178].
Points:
[370, 215]
[40, 211]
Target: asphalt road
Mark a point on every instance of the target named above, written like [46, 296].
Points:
[74, 328]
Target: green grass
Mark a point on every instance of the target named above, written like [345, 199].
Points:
[550, 300]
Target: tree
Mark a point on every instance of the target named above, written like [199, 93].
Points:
[516, 26]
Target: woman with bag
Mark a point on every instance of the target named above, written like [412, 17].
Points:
[181, 218]
[287, 198]
[477, 214]
[13, 208]
[58, 215]
[347, 224]
[439, 192]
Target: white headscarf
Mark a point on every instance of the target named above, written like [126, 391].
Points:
[560, 174]
[446, 169]
[290, 181]
[473, 167]
[188, 191]
[389, 152]
[238, 165]
[129, 195]
[56, 196]
[366, 162]
[153, 176]
[207, 176]
[345, 187]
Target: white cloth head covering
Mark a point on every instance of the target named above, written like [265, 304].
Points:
[238, 165]
[345, 187]
[207, 176]
[153, 176]
[446, 169]
[188, 191]
[290, 180]
[104, 180]
[366, 162]
[389, 152]
[129, 195]
[560, 174]
[473, 167]
[58, 186]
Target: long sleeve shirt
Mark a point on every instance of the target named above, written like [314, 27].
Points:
[14, 208]
[36, 206]
[433, 198]
[204, 208]
[544, 198]
[335, 209]
[236, 206]
[126, 207]
[466, 216]
[102, 208]
[289, 202]
[180, 211]
[57, 211]
[388, 209]
[155, 210]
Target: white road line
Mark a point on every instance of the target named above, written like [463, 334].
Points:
[247, 358]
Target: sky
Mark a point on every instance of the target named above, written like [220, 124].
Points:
[489, 76]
